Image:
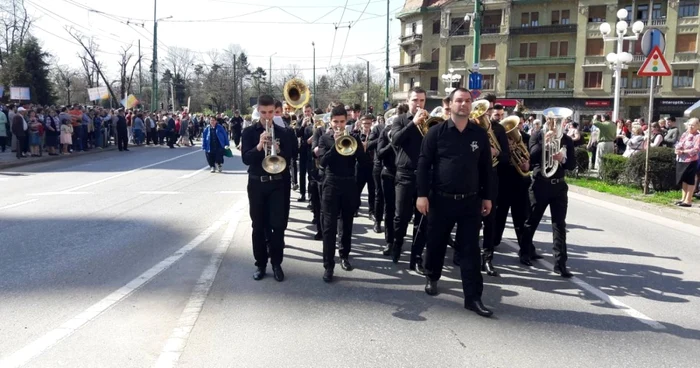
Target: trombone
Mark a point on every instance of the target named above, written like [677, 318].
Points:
[272, 163]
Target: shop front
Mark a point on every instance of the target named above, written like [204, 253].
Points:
[586, 109]
[666, 107]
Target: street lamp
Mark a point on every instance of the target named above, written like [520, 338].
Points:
[269, 88]
[313, 44]
[367, 102]
[619, 60]
[450, 79]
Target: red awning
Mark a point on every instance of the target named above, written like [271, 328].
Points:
[508, 102]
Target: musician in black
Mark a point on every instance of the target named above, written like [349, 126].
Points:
[266, 193]
[304, 130]
[387, 157]
[406, 138]
[378, 214]
[364, 168]
[339, 192]
[454, 187]
[513, 193]
[552, 192]
[315, 176]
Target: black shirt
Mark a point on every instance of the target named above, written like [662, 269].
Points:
[385, 152]
[333, 162]
[460, 161]
[249, 151]
[373, 144]
[406, 138]
[500, 132]
[535, 146]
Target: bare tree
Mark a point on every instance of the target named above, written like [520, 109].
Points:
[181, 61]
[63, 77]
[15, 26]
[80, 38]
[90, 70]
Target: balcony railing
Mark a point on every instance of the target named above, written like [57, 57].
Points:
[689, 21]
[490, 29]
[686, 57]
[550, 29]
[638, 59]
[637, 92]
[658, 22]
[542, 60]
[415, 67]
[410, 39]
[542, 93]
[594, 60]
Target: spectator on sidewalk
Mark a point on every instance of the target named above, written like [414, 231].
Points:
[19, 130]
[3, 130]
[606, 136]
[66, 135]
[687, 150]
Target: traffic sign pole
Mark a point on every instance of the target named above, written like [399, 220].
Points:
[646, 160]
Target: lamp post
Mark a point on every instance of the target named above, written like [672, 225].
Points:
[313, 44]
[269, 76]
[367, 102]
[619, 60]
[154, 72]
[450, 79]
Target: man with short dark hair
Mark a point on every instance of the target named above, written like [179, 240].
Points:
[303, 135]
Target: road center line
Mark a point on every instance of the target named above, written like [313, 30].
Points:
[128, 172]
[194, 173]
[17, 204]
[641, 317]
[51, 338]
[176, 343]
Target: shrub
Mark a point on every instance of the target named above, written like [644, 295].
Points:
[662, 169]
[582, 159]
[612, 168]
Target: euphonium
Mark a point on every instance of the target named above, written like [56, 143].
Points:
[518, 149]
[552, 146]
[272, 163]
[479, 109]
[346, 144]
[296, 93]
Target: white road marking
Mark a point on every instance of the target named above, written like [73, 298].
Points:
[57, 193]
[159, 192]
[4, 179]
[641, 317]
[175, 345]
[232, 192]
[194, 173]
[690, 229]
[51, 338]
[127, 172]
[17, 204]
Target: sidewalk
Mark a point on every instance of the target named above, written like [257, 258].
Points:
[9, 159]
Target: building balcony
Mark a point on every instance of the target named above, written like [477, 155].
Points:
[637, 92]
[594, 61]
[637, 59]
[403, 95]
[688, 21]
[416, 67]
[542, 93]
[660, 22]
[542, 60]
[550, 29]
[410, 39]
[686, 57]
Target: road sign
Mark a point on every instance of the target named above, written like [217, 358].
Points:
[653, 37]
[655, 65]
[475, 94]
[475, 81]
[475, 67]
[386, 105]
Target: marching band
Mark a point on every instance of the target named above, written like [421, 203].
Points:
[463, 165]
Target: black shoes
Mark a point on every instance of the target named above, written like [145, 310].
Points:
[345, 264]
[301, 199]
[535, 256]
[377, 228]
[318, 236]
[525, 261]
[431, 287]
[259, 274]
[388, 250]
[488, 267]
[328, 275]
[478, 307]
[417, 265]
[563, 272]
[278, 273]
[396, 254]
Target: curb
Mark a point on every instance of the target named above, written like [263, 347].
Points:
[46, 158]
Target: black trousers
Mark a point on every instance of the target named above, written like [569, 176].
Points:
[315, 198]
[215, 157]
[378, 194]
[122, 139]
[389, 193]
[339, 198]
[268, 220]
[406, 195]
[543, 193]
[303, 162]
[364, 177]
[172, 137]
[237, 134]
[512, 195]
[443, 214]
[293, 170]
[489, 221]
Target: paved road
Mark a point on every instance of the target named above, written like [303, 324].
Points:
[138, 259]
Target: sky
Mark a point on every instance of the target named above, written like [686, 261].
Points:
[261, 28]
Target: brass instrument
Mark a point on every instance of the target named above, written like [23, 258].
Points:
[520, 107]
[552, 146]
[346, 145]
[296, 93]
[272, 163]
[318, 124]
[428, 122]
[479, 109]
[518, 149]
[390, 113]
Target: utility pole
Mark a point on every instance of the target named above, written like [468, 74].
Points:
[140, 77]
[477, 33]
[367, 107]
[172, 94]
[313, 44]
[154, 72]
[269, 75]
[234, 83]
[388, 74]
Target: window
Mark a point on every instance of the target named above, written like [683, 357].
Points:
[686, 42]
[564, 48]
[433, 83]
[457, 53]
[487, 82]
[435, 55]
[492, 20]
[596, 13]
[528, 50]
[458, 27]
[565, 16]
[411, 83]
[594, 47]
[683, 78]
[530, 19]
[413, 58]
[555, 16]
[553, 49]
[414, 27]
[642, 12]
[633, 47]
[526, 81]
[593, 80]
[552, 80]
[688, 8]
[560, 17]
[559, 48]
[436, 27]
[657, 11]
[561, 81]
[637, 81]
[523, 50]
[488, 51]
[533, 50]
[556, 80]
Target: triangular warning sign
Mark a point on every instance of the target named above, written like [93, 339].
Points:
[655, 65]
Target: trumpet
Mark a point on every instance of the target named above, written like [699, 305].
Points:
[552, 146]
[518, 150]
[272, 163]
[479, 109]
[346, 145]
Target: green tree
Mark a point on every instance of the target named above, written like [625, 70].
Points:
[27, 67]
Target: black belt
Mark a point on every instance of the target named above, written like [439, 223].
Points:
[456, 197]
[553, 180]
[266, 178]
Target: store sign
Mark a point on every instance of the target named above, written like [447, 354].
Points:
[675, 103]
[597, 103]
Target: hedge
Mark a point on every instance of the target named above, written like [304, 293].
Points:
[612, 168]
[615, 169]
[582, 159]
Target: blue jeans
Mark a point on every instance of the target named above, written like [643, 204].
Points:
[138, 136]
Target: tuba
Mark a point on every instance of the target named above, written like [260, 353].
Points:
[296, 93]
[272, 163]
[479, 109]
[552, 146]
[346, 145]
[518, 149]
[390, 113]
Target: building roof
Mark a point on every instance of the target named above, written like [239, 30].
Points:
[411, 6]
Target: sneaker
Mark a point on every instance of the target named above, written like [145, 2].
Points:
[213, 169]
[219, 168]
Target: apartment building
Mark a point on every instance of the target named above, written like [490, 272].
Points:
[550, 53]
